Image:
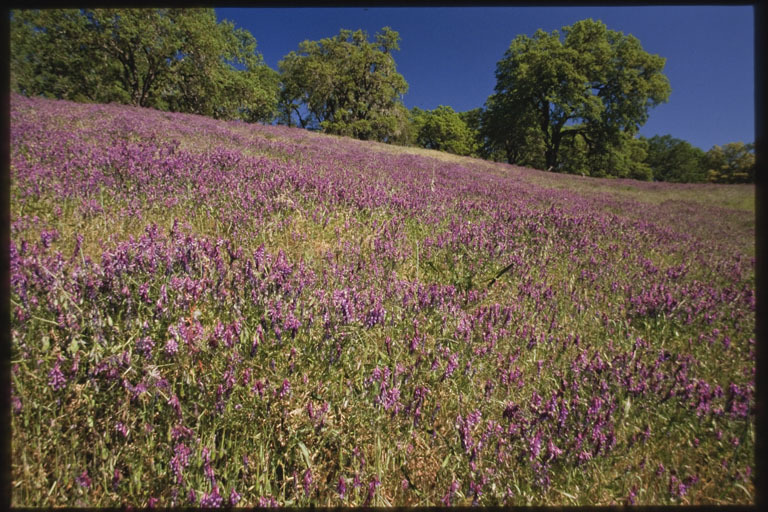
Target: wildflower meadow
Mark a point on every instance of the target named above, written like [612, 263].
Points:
[210, 313]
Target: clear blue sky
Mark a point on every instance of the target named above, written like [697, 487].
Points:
[448, 55]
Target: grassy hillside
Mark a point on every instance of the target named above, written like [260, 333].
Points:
[206, 313]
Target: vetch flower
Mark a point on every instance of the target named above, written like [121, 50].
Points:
[212, 500]
[56, 378]
[307, 481]
[116, 477]
[174, 402]
[372, 485]
[179, 461]
[145, 346]
[448, 497]
[267, 502]
[285, 389]
[84, 480]
[121, 428]
[16, 403]
[341, 487]
[234, 497]
[171, 347]
[207, 466]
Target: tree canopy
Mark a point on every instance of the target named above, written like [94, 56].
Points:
[345, 85]
[731, 163]
[170, 59]
[442, 129]
[588, 82]
[675, 160]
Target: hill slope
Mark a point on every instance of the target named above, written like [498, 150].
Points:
[208, 312]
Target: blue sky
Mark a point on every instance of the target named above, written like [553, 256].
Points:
[448, 55]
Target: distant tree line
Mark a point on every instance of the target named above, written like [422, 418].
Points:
[568, 101]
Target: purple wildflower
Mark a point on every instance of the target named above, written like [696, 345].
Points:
[116, 477]
[212, 500]
[16, 401]
[179, 461]
[56, 378]
[174, 402]
[535, 445]
[121, 428]
[234, 497]
[145, 346]
[171, 347]
[285, 389]
[307, 481]
[75, 365]
[553, 451]
[341, 488]
[476, 489]
[207, 466]
[47, 237]
[631, 498]
[267, 502]
[448, 498]
[179, 431]
[84, 480]
[453, 363]
[356, 483]
[372, 485]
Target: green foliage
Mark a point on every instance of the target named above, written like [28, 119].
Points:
[443, 129]
[625, 159]
[52, 55]
[732, 163]
[675, 160]
[474, 121]
[221, 75]
[169, 59]
[510, 133]
[593, 84]
[345, 85]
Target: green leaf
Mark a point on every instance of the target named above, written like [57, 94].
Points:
[74, 346]
[305, 454]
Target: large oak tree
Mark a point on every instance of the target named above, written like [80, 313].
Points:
[586, 81]
[170, 59]
[345, 85]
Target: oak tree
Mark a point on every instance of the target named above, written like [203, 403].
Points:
[442, 129]
[170, 59]
[586, 81]
[345, 85]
